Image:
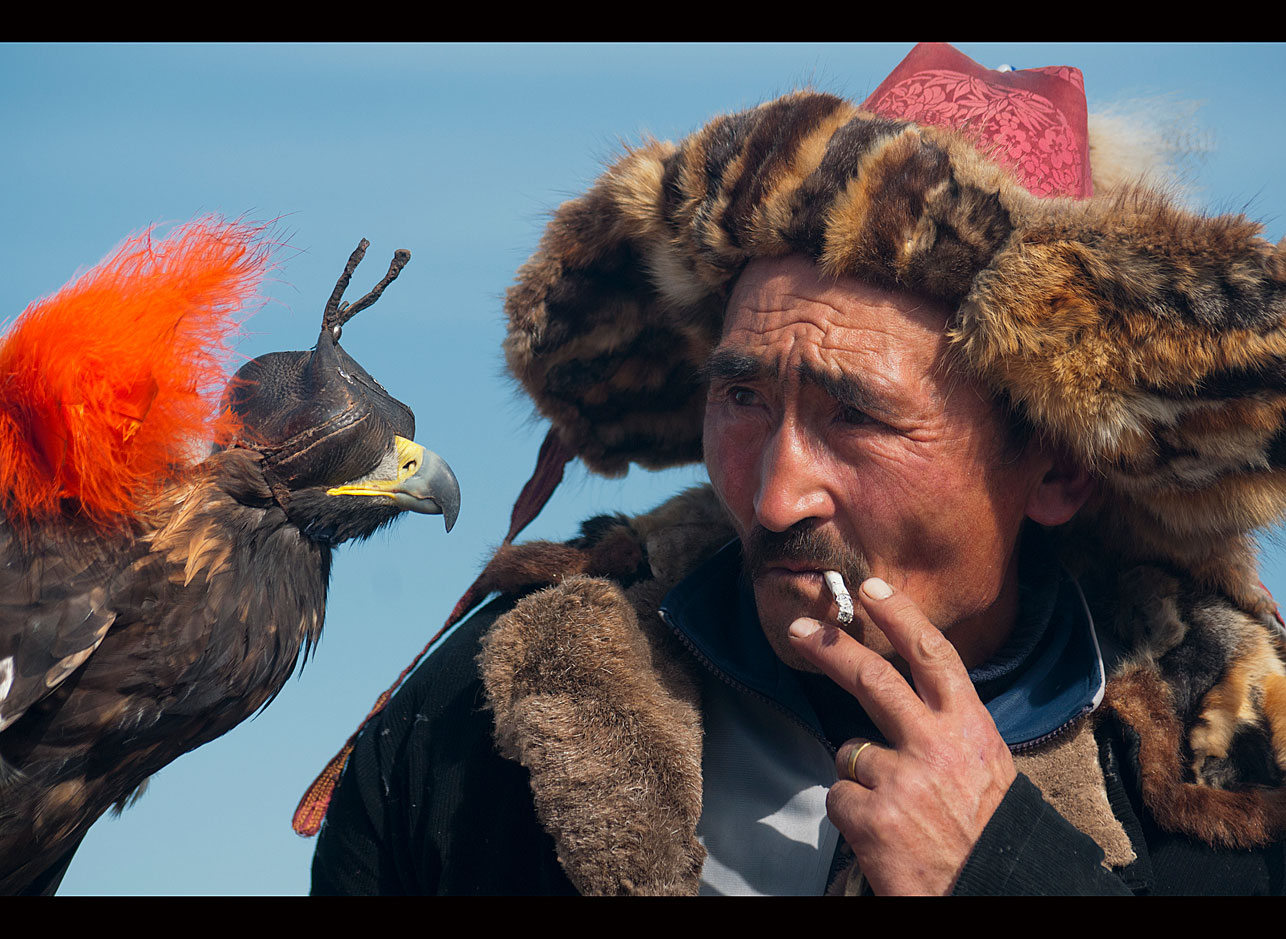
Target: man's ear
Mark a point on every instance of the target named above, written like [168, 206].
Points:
[1061, 492]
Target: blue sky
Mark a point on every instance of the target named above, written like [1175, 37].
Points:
[457, 153]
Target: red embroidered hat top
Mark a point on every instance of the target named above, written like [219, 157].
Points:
[1032, 121]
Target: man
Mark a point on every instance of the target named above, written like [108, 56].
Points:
[1032, 428]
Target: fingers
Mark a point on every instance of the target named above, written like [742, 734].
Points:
[862, 761]
[883, 693]
[935, 665]
[941, 679]
[849, 801]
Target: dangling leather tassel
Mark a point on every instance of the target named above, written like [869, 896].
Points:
[550, 467]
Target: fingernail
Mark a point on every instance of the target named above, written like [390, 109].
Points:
[876, 589]
[803, 628]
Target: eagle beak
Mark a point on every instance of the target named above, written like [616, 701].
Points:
[424, 484]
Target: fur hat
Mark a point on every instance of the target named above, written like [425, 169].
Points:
[1145, 339]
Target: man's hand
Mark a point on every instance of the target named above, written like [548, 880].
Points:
[918, 807]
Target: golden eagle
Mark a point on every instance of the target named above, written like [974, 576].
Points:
[150, 601]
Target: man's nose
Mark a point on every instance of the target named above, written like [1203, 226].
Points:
[791, 487]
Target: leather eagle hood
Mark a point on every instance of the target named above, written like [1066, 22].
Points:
[318, 416]
[1143, 338]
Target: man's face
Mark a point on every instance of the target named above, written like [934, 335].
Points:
[838, 438]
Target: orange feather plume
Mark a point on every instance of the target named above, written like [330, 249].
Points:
[108, 386]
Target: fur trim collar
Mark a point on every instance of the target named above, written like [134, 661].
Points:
[593, 696]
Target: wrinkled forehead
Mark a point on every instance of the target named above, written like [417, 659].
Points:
[767, 282]
[788, 314]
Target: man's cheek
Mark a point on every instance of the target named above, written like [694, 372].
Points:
[730, 461]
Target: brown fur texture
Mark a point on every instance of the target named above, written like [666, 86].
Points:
[1147, 340]
[615, 760]
[592, 696]
[1067, 772]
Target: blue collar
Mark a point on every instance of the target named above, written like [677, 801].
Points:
[1048, 674]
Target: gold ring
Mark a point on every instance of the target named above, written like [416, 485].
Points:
[852, 761]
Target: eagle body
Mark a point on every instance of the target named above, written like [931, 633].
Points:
[183, 633]
[128, 641]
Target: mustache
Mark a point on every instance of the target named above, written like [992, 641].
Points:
[805, 544]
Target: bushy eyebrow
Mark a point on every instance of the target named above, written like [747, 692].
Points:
[727, 365]
[845, 389]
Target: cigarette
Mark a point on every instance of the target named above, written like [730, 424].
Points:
[843, 599]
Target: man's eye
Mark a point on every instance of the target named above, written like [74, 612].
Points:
[855, 416]
[743, 396]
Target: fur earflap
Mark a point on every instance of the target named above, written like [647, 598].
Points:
[107, 387]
